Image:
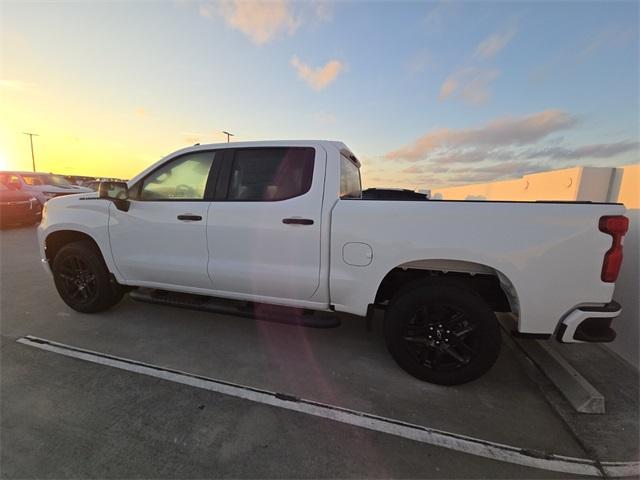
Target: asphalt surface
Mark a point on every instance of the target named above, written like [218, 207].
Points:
[65, 418]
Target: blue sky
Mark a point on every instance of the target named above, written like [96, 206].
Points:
[425, 93]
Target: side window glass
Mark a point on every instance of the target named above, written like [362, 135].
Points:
[184, 178]
[350, 186]
[271, 174]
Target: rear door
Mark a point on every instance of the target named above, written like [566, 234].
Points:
[161, 239]
[263, 230]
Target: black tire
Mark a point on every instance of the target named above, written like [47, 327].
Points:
[442, 332]
[83, 280]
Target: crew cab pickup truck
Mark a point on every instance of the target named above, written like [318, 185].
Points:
[284, 223]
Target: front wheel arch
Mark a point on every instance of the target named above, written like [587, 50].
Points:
[56, 240]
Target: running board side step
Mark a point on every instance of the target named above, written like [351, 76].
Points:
[257, 311]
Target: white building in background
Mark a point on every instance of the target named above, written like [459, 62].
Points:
[597, 184]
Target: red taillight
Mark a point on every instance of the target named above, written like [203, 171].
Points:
[616, 226]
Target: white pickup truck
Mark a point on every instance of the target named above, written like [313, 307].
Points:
[285, 223]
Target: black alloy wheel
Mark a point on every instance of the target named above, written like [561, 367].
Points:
[78, 280]
[442, 332]
[83, 279]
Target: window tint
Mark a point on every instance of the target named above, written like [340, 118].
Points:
[184, 178]
[350, 186]
[270, 174]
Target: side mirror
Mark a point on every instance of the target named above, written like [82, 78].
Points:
[117, 192]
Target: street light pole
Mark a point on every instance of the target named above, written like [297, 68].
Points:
[228, 135]
[33, 158]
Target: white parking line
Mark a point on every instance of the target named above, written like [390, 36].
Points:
[440, 438]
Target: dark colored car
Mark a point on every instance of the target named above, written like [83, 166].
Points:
[17, 207]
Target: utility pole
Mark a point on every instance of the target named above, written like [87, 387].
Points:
[33, 158]
[228, 135]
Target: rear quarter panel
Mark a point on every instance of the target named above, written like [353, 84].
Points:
[551, 253]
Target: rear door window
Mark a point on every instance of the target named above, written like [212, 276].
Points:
[270, 174]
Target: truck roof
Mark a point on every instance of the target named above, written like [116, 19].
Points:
[263, 143]
[267, 143]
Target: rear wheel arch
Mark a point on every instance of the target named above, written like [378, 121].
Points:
[490, 283]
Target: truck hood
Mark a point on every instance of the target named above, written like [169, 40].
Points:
[70, 200]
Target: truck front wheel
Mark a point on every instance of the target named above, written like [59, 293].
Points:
[83, 280]
[442, 333]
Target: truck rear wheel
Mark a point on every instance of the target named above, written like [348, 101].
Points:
[442, 333]
[83, 280]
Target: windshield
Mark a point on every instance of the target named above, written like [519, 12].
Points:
[46, 179]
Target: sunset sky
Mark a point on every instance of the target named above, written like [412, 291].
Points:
[425, 94]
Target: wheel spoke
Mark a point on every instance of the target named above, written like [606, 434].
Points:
[418, 340]
[436, 357]
[451, 351]
[74, 291]
[462, 333]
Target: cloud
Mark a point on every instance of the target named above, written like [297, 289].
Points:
[261, 21]
[462, 156]
[597, 150]
[471, 84]
[612, 36]
[567, 59]
[493, 44]
[439, 13]
[495, 172]
[506, 131]
[413, 169]
[320, 77]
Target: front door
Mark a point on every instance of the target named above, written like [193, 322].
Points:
[264, 230]
[161, 240]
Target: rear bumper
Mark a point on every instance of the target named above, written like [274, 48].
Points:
[589, 324]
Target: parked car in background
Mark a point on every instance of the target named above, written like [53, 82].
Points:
[93, 185]
[17, 207]
[42, 186]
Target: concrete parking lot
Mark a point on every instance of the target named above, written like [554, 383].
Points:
[63, 417]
